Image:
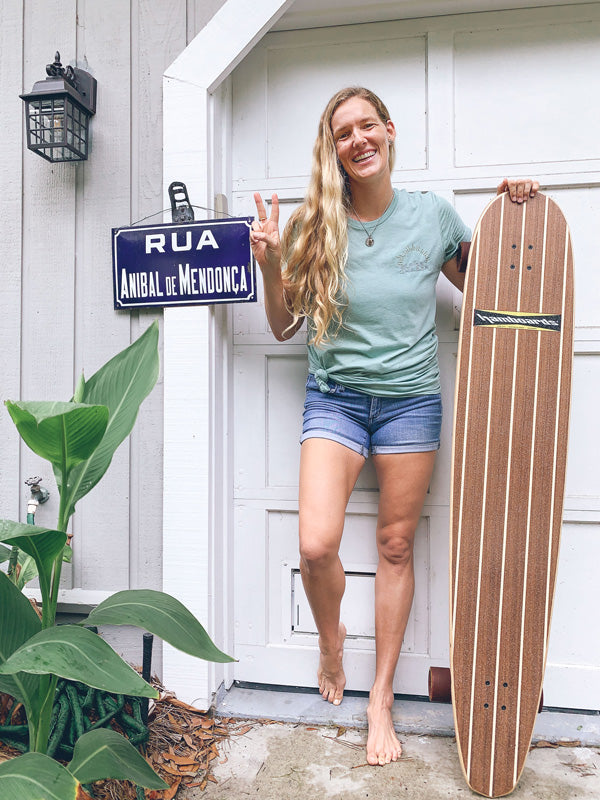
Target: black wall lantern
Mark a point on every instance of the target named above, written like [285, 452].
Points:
[58, 111]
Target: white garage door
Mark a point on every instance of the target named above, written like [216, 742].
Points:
[474, 98]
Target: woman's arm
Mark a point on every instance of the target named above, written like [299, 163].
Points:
[456, 267]
[266, 246]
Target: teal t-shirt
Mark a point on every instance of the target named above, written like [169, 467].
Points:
[387, 345]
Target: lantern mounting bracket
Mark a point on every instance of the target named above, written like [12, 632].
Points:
[80, 80]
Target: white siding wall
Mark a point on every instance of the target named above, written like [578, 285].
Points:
[56, 305]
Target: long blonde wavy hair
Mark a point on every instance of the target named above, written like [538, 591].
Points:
[315, 239]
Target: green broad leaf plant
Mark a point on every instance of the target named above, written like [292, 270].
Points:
[79, 438]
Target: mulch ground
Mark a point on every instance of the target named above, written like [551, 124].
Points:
[182, 745]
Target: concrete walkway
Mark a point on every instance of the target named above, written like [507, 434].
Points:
[320, 754]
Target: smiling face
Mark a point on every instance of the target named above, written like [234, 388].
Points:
[362, 140]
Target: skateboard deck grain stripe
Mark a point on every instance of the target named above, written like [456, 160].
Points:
[511, 417]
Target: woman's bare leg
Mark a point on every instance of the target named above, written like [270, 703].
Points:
[328, 472]
[403, 482]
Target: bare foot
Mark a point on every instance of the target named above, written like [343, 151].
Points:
[382, 743]
[330, 674]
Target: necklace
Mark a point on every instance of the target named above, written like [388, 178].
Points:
[370, 241]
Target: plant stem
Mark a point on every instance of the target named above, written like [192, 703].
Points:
[49, 618]
[63, 516]
[33, 730]
[49, 614]
[41, 730]
[12, 564]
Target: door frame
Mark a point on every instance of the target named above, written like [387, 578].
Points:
[197, 343]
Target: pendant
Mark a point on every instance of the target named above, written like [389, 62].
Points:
[369, 241]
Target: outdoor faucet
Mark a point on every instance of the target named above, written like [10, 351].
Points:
[38, 494]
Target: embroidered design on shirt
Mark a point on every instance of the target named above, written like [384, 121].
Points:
[413, 259]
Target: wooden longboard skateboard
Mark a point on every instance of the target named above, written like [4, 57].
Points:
[509, 457]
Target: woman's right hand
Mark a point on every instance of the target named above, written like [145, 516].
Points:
[264, 236]
[266, 246]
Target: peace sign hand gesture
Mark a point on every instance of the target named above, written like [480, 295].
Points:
[264, 236]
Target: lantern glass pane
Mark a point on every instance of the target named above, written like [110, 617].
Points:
[57, 128]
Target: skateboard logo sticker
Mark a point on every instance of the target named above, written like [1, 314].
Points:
[516, 319]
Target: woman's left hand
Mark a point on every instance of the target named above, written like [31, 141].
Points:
[519, 189]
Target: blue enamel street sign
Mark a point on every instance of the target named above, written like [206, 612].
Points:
[196, 263]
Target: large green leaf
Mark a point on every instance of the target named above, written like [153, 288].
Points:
[36, 777]
[42, 544]
[62, 433]
[80, 655]
[28, 569]
[121, 385]
[18, 623]
[104, 753]
[26, 564]
[162, 615]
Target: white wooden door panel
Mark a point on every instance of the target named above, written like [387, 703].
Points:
[577, 594]
[581, 206]
[516, 91]
[450, 85]
[295, 74]
[285, 380]
[583, 474]
[326, 67]
[439, 489]
[270, 387]
[574, 646]
[250, 423]
[252, 604]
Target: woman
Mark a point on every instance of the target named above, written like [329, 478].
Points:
[360, 261]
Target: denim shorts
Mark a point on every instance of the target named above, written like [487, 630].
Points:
[369, 424]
